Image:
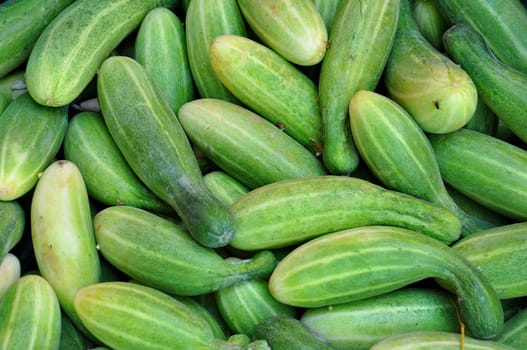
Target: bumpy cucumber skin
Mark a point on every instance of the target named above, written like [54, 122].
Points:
[270, 86]
[12, 225]
[224, 187]
[159, 152]
[514, 332]
[69, 51]
[328, 11]
[30, 137]
[231, 136]
[361, 38]
[293, 211]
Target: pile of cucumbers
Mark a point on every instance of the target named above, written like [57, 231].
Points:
[263, 174]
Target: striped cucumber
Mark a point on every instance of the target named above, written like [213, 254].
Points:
[159, 152]
[270, 86]
[363, 262]
[293, 29]
[168, 258]
[69, 51]
[488, 170]
[437, 93]
[30, 138]
[9, 272]
[231, 136]
[293, 211]
[430, 21]
[361, 39]
[328, 11]
[12, 225]
[514, 331]
[224, 187]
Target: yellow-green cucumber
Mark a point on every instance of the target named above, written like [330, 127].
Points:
[502, 88]
[514, 331]
[204, 21]
[437, 92]
[69, 51]
[293, 211]
[159, 152]
[398, 152]
[328, 11]
[160, 46]
[30, 316]
[363, 262]
[361, 39]
[10, 272]
[245, 145]
[30, 138]
[486, 169]
[108, 177]
[270, 86]
[168, 258]
[224, 187]
[12, 225]
[430, 21]
[62, 233]
[360, 324]
[293, 29]
[21, 23]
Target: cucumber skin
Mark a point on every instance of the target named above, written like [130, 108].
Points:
[224, 187]
[514, 331]
[10, 270]
[328, 10]
[169, 167]
[12, 225]
[430, 21]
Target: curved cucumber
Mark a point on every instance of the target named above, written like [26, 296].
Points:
[224, 187]
[12, 225]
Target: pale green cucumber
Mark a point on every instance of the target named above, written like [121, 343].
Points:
[30, 138]
[29, 316]
[12, 225]
[363, 262]
[398, 152]
[159, 152]
[108, 177]
[514, 332]
[69, 51]
[204, 21]
[488, 170]
[360, 324]
[9, 272]
[245, 145]
[226, 188]
[62, 233]
[168, 258]
[293, 211]
[293, 29]
[70, 337]
[361, 39]
[270, 86]
[328, 11]
[160, 46]
[437, 92]
[430, 21]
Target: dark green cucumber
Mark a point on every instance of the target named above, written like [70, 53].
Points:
[328, 11]
[159, 151]
[430, 21]
[12, 225]
[358, 263]
[514, 332]
[502, 88]
[70, 337]
[224, 187]
[484, 119]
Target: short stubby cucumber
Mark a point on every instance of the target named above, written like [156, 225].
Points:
[293, 211]
[12, 225]
[224, 187]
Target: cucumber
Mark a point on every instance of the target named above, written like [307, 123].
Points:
[108, 177]
[21, 23]
[29, 315]
[4, 102]
[70, 337]
[502, 88]
[231, 136]
[224, 187]
[200, 309]
[69, 51]
[168, 258]
[486, 169]
[363, 262]
[293, 29]
[12, 83]
[430, 21]
[159, 152]
[31, 136]
[270, 86]
[160, 46]
[12, 225]
[9, 272]
[328, 11]
[514, 332]
[360, 324]
[293, 211]
[484, 119]
[437, 93]
[361, 39]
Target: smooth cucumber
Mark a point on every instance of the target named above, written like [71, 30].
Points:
[70, 337]
[12, 225]
[328, 11]
[10, 270]
[224, 187]
[430, 21]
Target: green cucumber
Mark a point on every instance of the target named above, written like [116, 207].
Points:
[488, 170]
[159, 152]
[361, 39]
[270, 86]
[363, 262]
[9, 272]
[231, 136]
[4, 102]
[200, 309]
[293, 29]
[328, 11]
[430, 21]
[514, 331]
[70, 337]
[12, 225]
[30, 138]
[224, 187]
[29, 315]
[69, 51]
[168, 258]
[12, 84]
[108, 177]
[360, 324]
[502, 88]
[437, 93]
[160, 46]
[293, 211]
[484, 119]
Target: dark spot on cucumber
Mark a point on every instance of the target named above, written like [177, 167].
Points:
[436, 104]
